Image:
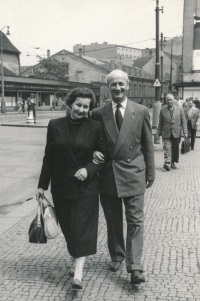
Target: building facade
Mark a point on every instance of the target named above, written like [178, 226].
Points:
[113, 53]
[189, 83]
[11, 56]
[79, 69]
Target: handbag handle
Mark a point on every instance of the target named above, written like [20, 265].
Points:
[44, 201]
[39, 214]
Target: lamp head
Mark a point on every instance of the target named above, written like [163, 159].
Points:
[8, 33]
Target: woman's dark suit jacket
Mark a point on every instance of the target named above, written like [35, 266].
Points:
[60, 164]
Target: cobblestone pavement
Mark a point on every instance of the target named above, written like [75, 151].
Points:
[171, 249]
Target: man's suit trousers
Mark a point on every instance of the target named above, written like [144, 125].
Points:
[134, 206]
[171, 149]
[191, 133]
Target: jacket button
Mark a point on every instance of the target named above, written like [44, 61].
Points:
[113, 161]
[128, 160]
[130, 147]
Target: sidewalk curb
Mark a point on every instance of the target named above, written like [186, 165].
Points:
[14, 216]
[24, 125]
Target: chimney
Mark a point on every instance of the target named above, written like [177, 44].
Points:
[48, 53]
[80, 52]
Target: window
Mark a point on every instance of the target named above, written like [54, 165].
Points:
[103, 78]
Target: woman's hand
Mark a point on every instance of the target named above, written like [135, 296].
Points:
[81, 174]
[40, 193]
[98, 157]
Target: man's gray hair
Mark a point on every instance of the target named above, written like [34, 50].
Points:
[169, 94]
[118, 71]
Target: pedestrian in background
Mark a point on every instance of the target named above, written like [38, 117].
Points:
[197, 102]
[67, 163]
[31, 102]
[54, 104]
[171, 123]
[19, 105]
[23, 105]
[128, 171]
[185, 104]
[179, 101]
[192, 118]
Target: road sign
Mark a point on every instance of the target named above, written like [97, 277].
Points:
[157, 83]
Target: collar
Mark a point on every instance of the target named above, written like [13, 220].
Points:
[123, 104]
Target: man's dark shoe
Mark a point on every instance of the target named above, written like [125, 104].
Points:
[173, 165]
[115, 266]
[166, 166]
[137, 277]
[192, 148]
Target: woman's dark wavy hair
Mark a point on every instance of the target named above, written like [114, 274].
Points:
[80, 92]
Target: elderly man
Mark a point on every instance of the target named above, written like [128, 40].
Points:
[128, 170]
[192, 117]
[171, 122]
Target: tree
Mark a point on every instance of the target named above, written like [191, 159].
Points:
[51, 68]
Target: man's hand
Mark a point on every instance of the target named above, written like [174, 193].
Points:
[149, 183]
[197, 123]
[81, 174]
[98, 157]
[185, 136]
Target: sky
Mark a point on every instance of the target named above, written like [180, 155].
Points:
[38, 25]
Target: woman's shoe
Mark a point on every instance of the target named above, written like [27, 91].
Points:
[76, 284]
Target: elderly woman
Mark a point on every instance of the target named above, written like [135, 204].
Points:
[67, 163]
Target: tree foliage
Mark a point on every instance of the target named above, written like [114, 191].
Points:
[51, 68]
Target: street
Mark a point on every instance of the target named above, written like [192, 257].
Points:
[171, 255]
[21, 153]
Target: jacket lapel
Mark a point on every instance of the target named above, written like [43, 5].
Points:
[176, 111]
[64, 136]
[83, 133]
[167, 113]
[109, 122]
[128, 121]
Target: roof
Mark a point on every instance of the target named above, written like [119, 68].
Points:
[174, 57]
[107, 45]
[92, 60]
[7, 45]
[141, 62]
[73, 55]
[6, 71]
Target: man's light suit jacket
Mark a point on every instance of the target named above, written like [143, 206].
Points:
[174, 125]
[130, 160]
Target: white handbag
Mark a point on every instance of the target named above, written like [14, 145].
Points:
[51, 228]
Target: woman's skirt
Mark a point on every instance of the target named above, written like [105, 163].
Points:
[79, 223]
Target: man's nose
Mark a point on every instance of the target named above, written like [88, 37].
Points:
[117, 87]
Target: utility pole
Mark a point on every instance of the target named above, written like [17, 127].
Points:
[161, 68]
[157, 103]
[170, 87]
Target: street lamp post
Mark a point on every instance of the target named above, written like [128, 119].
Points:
[3, 106]
[170, 85]
[157, 103]
[161, 68]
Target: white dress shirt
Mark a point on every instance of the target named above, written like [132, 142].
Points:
[122, 108]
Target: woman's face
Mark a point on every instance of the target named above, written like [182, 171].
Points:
[80, 108]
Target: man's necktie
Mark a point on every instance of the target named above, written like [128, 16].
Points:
[118, 116]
